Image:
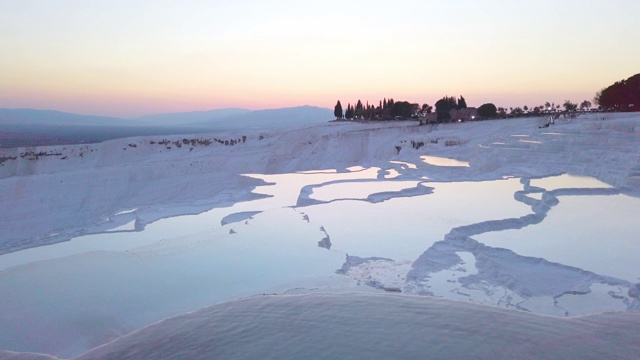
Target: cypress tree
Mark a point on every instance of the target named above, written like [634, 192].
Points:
[337, 111]
[349, 113]
[462, 103]
[359, 109]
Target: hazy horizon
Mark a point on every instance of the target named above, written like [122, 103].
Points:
[139, 57]
[168, 113]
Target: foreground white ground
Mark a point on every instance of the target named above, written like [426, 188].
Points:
[356, 326]
[498, 225]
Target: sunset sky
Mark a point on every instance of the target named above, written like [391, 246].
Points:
[133, 57]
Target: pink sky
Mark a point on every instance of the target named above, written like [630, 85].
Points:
[130, 58]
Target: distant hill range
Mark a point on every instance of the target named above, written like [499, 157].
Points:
[269, 119]
[29, 127]
[52, 117]
[188, 118]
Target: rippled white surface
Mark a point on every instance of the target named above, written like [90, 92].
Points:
[375, 326]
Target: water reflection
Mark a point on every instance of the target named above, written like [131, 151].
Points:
[404, 164]
[598, 233]
[92, 297]
[567, 181]
[392, 174]
[440, 161]
[403, 227]
[304, 228]
[358, 190]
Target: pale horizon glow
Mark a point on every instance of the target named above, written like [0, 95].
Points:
[131, 58]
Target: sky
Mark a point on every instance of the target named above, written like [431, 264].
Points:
[128, 58]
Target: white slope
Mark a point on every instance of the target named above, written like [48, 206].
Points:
[69, 189]
[349, 326]
[51, 194]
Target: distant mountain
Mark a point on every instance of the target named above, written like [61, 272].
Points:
[215, 120]
[185, 118]
[52, 117]
[272, 118]
[28, 127]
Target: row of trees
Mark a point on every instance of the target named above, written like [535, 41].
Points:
[543, 109]
[623, 95]
[386, 109]
[391, 109]
[448, 103]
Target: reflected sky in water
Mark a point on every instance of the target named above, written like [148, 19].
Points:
[130, 279]
[441, 161]
[595, 233]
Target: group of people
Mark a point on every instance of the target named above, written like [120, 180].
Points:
[552, 120]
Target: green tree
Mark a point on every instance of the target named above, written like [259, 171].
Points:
[623, 95]
[337, 111]
[402, 109]
[415, 109]
[443, 116]
[487, 111]
[444, 106]
[446, 103]
[359, 110]
[349, 113]
[517, 111]
[569, 106]
[537, 110]
[462, 103]
[598, 96]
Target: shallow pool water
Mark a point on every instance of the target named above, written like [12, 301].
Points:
[595, 233]
[335, 231]
[358, 190]
[404, 227]
[441, 161]
[567, 181]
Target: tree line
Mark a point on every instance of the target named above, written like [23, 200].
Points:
[386, 109]
[539, 110]
[389, 109]
[623, 95]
